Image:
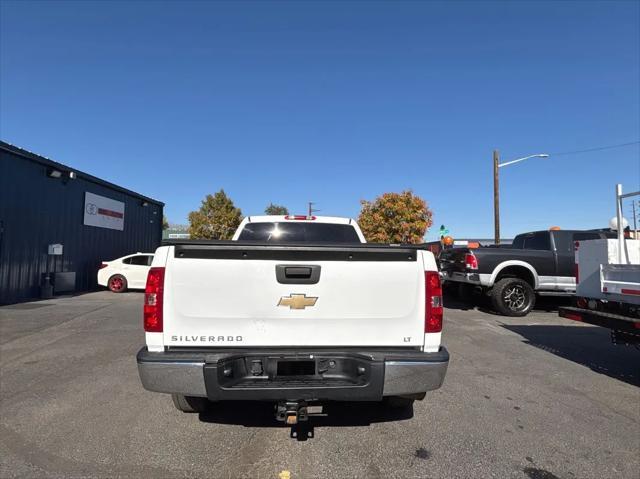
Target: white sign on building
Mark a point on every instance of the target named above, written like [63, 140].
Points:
[103, 212]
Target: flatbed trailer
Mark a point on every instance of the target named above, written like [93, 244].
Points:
[607, 275]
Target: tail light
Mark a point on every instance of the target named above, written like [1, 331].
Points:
[153, 297]
[470, 261]
[433, 299]
[103, 265]
[573, 316]
[299, 217]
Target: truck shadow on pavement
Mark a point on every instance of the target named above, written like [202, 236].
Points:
[452, 302]
[585, 345]
[546, 304]
[337, 414]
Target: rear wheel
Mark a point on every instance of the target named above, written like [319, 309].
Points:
[117, 283]
[513, 297]
[190, 404]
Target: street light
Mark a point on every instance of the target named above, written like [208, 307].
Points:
[540, 155]
[496, 188]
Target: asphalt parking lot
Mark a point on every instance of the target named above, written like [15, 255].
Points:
[536, 397]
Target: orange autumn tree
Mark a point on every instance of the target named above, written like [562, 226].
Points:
[395, 218]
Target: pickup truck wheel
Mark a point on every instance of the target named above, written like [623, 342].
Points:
[398, 402]
[512, 297]
[190, 404]
[117, 283]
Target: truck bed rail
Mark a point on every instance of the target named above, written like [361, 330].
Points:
[293, 252]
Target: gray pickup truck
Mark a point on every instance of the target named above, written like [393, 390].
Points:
[539, 262]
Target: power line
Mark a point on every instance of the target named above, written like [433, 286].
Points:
[598, 148]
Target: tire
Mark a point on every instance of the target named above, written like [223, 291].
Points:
[513, 297]
[190, 404]
[117, 283]
[398, 402]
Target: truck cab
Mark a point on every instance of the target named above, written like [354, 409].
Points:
[299, 229]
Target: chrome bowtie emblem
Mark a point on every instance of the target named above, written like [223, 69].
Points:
[297, 301]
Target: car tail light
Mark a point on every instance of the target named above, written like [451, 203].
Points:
[103, 265]
[153, 296]
[470, 261]
[433, 299]
[299, 217]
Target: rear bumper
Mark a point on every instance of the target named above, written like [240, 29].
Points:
[358, 375]
[102, 278]
[478, 279]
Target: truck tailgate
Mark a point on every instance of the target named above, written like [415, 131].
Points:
[453, 260]
[232, 296]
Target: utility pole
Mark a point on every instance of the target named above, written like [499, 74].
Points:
[496, 198]
[311, 210]
[635, 226]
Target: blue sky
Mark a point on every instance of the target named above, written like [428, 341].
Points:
[334, 102]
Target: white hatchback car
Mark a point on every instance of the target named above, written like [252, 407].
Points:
[128, 272]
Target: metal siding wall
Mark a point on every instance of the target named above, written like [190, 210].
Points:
[36, 210]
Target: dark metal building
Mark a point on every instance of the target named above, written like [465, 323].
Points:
[57, 224]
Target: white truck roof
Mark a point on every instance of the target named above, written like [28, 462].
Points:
[316, 219]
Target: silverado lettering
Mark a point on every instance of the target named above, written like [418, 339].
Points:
[205, 339]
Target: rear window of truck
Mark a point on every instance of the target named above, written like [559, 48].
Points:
[539, 240]
[291, 232]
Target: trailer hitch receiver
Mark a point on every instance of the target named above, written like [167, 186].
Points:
[292, 412]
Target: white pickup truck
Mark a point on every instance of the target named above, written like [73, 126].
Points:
[295, 310]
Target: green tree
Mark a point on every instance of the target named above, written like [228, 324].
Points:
[276, 210]
[395, 218]
[165, 223]
[217, 218]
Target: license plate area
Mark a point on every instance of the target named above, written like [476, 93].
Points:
[285, 368]
[265, 371]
